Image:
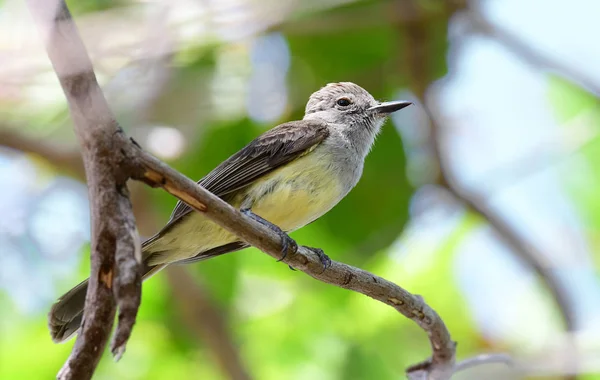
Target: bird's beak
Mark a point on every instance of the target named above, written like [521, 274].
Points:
[389, 107]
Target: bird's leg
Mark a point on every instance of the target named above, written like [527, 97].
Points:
[286, 241]
[325, 260]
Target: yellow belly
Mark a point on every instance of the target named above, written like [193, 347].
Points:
[290, 197]
[301, 192]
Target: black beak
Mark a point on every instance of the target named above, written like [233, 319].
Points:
[389, 107]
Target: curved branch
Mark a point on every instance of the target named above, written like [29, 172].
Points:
[484, 359]
[441, 364]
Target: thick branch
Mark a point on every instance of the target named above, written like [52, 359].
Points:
[201, 314]
[115, 270]
[216, 333]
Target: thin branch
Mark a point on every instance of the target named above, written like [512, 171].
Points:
[413, 307]
[531, 256]
[417, 62]
[534, 259]
[68, 160]
[203, 319]
[115, 269]
[529, 54]
[484, 359]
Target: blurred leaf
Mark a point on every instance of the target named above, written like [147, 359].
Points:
[575, 106]
[362, 363]
[339, 57]
[89, 6]
[568, 99]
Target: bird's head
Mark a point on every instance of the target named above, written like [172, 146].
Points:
[350, 106]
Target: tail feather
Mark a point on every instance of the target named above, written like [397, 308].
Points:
[66, 315]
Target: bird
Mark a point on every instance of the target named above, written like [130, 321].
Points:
[286, 178]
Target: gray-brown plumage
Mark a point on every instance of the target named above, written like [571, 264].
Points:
[289, 175]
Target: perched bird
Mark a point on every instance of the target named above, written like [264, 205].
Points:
[286, 178]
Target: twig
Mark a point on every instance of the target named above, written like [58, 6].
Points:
[115, 269]
[482, 360]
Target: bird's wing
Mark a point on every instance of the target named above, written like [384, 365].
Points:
[263, 155]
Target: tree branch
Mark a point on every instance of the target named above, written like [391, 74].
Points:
[484, 359]
[115, 269]
[204, 320]
[419, 73]
[200, 313]
[70, 161]
[528, 54]
[413, 307]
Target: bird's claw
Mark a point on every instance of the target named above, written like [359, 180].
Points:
[325, 260]
[287, 243]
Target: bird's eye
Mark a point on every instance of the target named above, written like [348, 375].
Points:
[343, 102]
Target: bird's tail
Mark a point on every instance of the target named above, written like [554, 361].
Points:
[66, 314]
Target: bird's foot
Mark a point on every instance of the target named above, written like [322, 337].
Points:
[325, 260]
[287, 243]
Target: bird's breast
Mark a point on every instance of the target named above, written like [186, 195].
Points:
[299, 192]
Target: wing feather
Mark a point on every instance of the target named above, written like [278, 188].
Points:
[264, 154]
